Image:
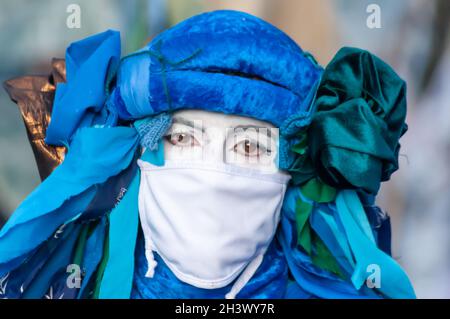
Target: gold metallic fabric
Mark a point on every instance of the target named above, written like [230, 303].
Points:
[34, 96]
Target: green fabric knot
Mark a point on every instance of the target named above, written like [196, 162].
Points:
[353, 139]
[315, 192]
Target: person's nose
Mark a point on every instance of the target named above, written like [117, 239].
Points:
[213, 150]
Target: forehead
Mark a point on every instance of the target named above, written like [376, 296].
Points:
[215, 119]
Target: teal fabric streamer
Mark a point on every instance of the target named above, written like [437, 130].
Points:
[394, 281]
[88, 65]
[155, 157]
[124, 219]
[326, 227]
[94, 155]
[56, 263]
[358, 214]
[316, 282]
[93, 254]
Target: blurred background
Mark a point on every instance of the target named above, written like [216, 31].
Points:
[413, 36]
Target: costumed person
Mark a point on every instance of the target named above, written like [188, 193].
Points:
[219, 161]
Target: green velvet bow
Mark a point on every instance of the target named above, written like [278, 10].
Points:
[353, 140]
[317, 192]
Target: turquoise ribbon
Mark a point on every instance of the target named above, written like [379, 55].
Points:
[124, 219]
[394, 282]
[94, 155]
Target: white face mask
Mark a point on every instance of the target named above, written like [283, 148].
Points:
[209, 222]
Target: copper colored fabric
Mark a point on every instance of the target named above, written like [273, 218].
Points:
[34, 95]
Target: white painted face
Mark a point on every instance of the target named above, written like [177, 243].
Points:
[198, 135]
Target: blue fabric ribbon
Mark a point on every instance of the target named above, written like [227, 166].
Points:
[94, 155]
[93, 254]
[313, 281]
[84, 122]
[80, 102]
[345, 229]
[124, 219]
[54, 265]
[394, 282]
[270, 280]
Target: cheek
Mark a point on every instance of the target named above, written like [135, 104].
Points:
[265, 162]
[269, 161]
[172, 152]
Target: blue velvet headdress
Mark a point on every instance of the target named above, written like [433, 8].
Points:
[223, 61]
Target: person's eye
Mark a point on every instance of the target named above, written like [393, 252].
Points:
[182, 139]
[250, 148]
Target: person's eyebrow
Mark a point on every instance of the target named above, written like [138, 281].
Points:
[245, 127]
[182, 120]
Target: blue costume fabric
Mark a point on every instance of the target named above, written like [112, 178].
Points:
[189, 66]
[270, 280]
[222, 61]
